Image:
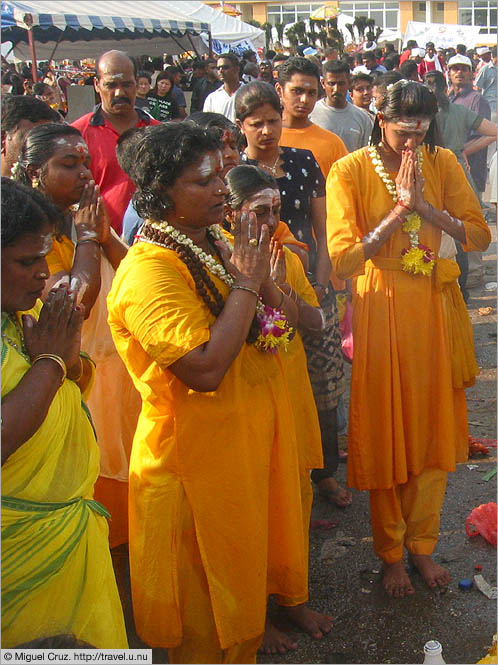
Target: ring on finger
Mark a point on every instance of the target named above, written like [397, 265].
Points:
[253, 242]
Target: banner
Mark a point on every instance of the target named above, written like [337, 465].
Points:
[443, 35]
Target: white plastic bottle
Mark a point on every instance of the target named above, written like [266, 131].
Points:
[433, 653]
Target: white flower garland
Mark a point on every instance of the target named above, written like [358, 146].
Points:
[419, 258]
[207, 260]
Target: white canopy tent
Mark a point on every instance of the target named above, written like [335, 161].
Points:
[226, 29]
[85, 29]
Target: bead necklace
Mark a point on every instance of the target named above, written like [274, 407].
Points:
[419, 259]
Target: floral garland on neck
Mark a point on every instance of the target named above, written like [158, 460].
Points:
[419, 259]
[274, 329]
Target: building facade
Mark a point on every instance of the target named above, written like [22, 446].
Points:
[393, 15]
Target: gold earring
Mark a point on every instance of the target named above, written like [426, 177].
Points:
[35, 182]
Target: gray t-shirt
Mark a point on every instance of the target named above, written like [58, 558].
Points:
[352, 124]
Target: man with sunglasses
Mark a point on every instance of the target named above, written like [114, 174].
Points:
[222, 100]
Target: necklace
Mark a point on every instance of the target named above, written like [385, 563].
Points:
[419, 259]
[20, 348]
[273, 169]
[273, 330]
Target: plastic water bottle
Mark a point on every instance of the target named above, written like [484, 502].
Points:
[433, 653]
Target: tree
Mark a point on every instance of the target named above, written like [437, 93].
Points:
[267, 27]
[279, 27]
[291, 35]
[300, 30]
[361, 23]
[350, 28]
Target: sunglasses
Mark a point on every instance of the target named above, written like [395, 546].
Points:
[224, 67]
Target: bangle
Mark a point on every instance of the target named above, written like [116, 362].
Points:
[281, 299]
[245, 288]
[88, 239]
[55, 358]
[77, 378]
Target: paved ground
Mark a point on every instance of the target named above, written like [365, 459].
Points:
[369, 627]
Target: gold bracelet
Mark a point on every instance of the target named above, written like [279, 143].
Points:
[77, 378]
[245, 288]
[55, 358]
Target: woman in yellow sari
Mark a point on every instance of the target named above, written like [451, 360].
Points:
[388, 205]
[57, 574]
[215, 507]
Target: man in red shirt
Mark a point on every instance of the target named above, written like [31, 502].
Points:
[115, 82]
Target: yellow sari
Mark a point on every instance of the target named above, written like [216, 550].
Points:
[57, 574]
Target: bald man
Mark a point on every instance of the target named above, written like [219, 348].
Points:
[115, 82]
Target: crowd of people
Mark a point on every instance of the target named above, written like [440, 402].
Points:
[169, 312]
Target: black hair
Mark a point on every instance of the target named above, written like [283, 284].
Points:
[172, 70]
[245, 180]
[24, 210]
[164, 76]
[407, 99]
[368, 54]
[40, 88]
[385, 78]
[408, 68]
[251, 96]
[270, 54]
[229, 56]
[391, 62]
[430, 45]
[297, 65]
[211, 120]
[248, 54]
[335, 67]
[199, 64]
[280, 57]
[38, 146]
[461, 48]
[411, 43]
[126, 148]
[25, 107]
[142, 74]
[162, 155]
[121, 53]
[361, 76]
[437, 84]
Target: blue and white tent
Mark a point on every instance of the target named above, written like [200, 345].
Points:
[85, 29]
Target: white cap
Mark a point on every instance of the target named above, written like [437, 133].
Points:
[482, 50]
[372, 47]
[459, 59]
[417, 51]
[310, 51]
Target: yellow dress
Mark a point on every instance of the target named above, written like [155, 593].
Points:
[229, 454]
[405, 414]
[114, 403]
[57, 574]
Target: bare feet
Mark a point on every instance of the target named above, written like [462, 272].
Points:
[275, 641]
[396, 581]
[330, 490]
[433, 574]
[311, 622]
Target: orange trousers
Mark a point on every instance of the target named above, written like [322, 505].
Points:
[306, 505]
[200, 642]
[408, 515]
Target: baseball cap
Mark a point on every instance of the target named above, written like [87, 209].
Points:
[483, 49]
[459, 60]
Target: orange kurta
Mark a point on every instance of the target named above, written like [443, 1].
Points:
[231, 452]
[114, 403]
[405, 415]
